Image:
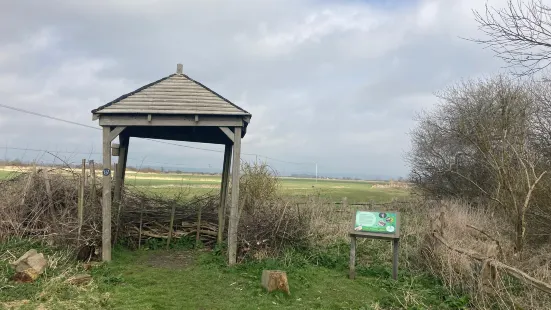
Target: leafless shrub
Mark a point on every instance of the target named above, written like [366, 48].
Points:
[519, 34]
[481, 145]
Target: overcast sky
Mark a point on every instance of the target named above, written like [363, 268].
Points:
[335, 83]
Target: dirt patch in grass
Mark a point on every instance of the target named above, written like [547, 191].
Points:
[170, 259]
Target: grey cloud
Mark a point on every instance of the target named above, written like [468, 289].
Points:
[327, 82]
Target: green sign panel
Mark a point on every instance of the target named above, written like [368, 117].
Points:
[376, 222]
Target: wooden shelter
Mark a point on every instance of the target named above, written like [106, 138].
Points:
[178, 108]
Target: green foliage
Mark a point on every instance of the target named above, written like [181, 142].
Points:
[317, 278]
[258, 184]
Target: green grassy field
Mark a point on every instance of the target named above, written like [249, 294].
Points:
[6, 174]
[184, 278]
[355, 191]
[335, 190]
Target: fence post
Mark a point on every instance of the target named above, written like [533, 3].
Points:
[81, 198]
[93, 180]
[198, 235]
[171, 225]
[140, 233]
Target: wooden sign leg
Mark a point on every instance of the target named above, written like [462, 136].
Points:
[395, 247]
[352, 273]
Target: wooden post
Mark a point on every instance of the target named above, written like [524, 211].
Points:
[234, 210]
[120, 167]
[198, 234]
[81, 198]
[106, 206]
[49, 193]
[352, 265]
[395, 247]
[170, 229]
[93, 180]
[140, 233]
[344, 204]
[224, 192]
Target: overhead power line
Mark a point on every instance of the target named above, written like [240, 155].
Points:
[163, 142]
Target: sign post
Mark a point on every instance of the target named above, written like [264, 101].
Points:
[376, 225]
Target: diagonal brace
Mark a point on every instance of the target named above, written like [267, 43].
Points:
[115, 132]
[228, 132]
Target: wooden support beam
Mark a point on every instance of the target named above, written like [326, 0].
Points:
[352, 264]
[121, 167]
[124, 157]
[170, 120]
[224, 192]
[115, 132]
[234, 209]
[228, 132]
[106, 205]
[395, 252]
[119, 179]
[93, 181]
[81, 198]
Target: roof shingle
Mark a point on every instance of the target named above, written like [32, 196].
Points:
[174, 94]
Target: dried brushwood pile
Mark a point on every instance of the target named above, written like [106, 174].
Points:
[43, 204]
[147, 216]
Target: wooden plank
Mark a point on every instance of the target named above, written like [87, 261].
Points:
[224, 192]
[198, 233]
[119, 173]
[174, 99]
[171, 228]
[81, 198]
[140, 233]
[93, 180]
[228, 132]
[116, 132]
[171, 103]
[49, 193]
[352, 264]
[124, 158]
[234, 209]
[170, 120]
[124, 141]
[106, 206]
[362, 234]
[395, 249]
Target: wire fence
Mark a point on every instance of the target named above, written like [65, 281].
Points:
[73, 157]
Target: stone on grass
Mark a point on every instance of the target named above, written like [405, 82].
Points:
[275, 280]
[29, 266]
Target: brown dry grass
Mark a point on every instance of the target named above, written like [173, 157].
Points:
[462, 274]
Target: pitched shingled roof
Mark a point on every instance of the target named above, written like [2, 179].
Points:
[174, 94]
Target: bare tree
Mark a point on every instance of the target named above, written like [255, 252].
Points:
[479, 145]
[520, 34]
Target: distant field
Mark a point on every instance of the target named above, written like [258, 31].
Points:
[170, 184]
[355, 191]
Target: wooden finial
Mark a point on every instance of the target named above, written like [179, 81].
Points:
[179, 69]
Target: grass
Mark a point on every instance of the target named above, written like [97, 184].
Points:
[355, 191]
[335, 190]
[199, 279]
[6, 174]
